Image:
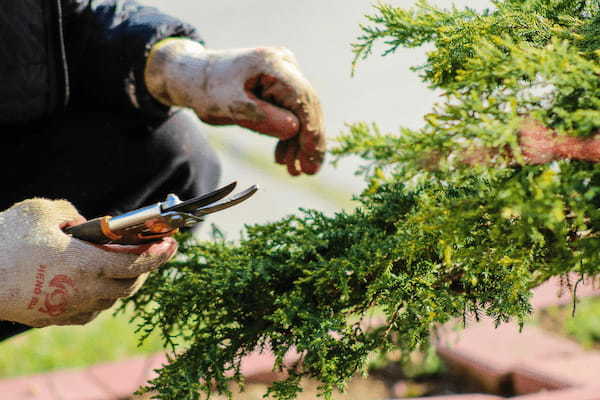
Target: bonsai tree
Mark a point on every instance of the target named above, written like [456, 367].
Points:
[495, 194]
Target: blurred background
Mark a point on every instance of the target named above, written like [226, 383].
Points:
[320, 33]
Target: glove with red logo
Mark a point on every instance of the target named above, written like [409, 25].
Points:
[50, 278]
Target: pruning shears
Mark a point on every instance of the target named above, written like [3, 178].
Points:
[154, 222]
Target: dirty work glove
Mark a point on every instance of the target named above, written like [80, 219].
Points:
[50, 278]
[260, 89]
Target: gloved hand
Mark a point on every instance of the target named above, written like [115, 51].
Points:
[261, 89]
[50, 278]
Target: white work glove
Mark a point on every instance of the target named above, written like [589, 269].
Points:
[50, 278]
[260, 89]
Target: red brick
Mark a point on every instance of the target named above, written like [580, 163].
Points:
[580, 370]
[151, 364]
[121, 379]
[583, 393]
[462, 397]
[76, 385]
[488, 354]
[26, 388]
[550, 293]
[108, 381]
[258, 368]
[525, 381]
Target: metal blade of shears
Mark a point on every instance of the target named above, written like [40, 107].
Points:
[189, 206]
[226, 203]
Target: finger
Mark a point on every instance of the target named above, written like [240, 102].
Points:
[113, 289]
[273, 91]
[155, 256]
[298, 96]
[74, 222]
[59, 212]
[309, 163]
[281, 152]
[66, 211]
[217, 120]
[151, 248]
[116, 264]
[312, 135]
[78, 319]
[312, 140]
[261, 117]
[291, 158]
[276, 122]
[104, 304]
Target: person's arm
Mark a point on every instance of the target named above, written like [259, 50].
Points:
[119, 60]
[107, 43]
[50, 278]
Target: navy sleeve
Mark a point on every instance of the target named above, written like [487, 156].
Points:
[107, 43]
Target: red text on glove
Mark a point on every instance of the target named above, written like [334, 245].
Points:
[40, 278]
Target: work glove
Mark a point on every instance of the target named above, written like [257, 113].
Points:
[261, 89]
[50, 278]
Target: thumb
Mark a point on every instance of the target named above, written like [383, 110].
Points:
[113, 263]
[275, 121]
[260, 116]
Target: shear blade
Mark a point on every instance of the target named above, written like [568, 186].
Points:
[189, 206]
[226, 203]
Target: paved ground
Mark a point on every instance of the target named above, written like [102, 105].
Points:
[320, 33]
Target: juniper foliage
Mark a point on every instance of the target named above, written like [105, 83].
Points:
[426, 245]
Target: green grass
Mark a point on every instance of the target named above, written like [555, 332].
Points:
[423, 364]
[107, 338]
[583, 327]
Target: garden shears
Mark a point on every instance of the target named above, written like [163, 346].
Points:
[159, 220]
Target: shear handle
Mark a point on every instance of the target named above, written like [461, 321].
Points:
[94, 231]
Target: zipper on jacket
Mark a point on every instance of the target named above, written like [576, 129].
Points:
[63, 53]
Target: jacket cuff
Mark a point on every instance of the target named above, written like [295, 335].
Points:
[138, 93]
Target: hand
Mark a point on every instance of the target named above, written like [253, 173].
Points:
[50, 278]
[261, 89]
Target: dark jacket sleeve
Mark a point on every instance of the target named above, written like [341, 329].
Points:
[107, 43]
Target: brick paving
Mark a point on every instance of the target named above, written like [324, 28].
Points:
[110, 381]
[532, 363]
[466, 397]
[582, 393]
[551, 293]
[571, 371]
[117, 380]
[489, 355]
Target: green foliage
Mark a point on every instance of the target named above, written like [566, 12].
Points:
[435, 238]
[582, 326]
